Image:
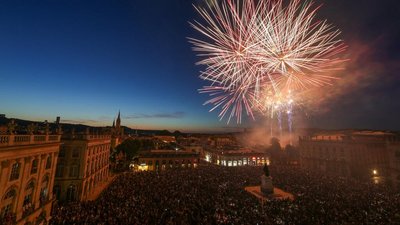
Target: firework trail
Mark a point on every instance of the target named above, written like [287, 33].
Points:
[254, 52]
[236, 100]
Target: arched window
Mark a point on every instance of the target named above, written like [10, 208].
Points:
[29, 190]
[44, 190]
[8, 202]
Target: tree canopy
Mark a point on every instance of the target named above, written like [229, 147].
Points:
[132, 146]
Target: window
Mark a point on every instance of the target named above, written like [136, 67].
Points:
[8, 202]
[48, 162]
[34, 167]
[75, 153]
[60, 170]
[57, 191]
[44, 190]
[28, 193]
[71, 193]
[15, 171]
[74, 171]
[10, 194]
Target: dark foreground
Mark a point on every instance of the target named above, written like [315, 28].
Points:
[216, 195]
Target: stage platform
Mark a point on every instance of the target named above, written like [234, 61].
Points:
[278, 194]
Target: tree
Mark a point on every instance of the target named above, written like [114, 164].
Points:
[132, 146]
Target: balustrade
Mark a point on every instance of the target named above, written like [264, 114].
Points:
[13, 140]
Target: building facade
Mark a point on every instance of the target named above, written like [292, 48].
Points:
[27, 170]
[394, 168]
[236, 158]
[359, 154]
[166, 159]
[83, 164]
[191, 144]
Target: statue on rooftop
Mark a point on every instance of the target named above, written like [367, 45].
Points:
[11, 126]
[31, 128]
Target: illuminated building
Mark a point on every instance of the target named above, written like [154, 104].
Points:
[167, 159]
[236, 158]
[360, 154]
[83, 164]
[27, 170]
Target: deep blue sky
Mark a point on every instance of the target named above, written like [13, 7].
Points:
[85, 60]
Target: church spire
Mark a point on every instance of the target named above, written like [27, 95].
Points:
[118, 119]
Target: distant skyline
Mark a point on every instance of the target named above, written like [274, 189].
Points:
[86, 60]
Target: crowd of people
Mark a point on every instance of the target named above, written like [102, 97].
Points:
[215, 195]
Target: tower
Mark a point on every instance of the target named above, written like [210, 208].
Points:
[117, 131]
[118, 124]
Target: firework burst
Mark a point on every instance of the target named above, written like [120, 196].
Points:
[255, 51]
[295, 46]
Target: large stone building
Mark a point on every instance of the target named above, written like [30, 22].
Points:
[360, 154]
[394, 157]
[243, 157]
[192, 144]
[27, 170]
[83, 164]
[166, 159]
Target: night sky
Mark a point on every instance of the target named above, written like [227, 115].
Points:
[85, 60]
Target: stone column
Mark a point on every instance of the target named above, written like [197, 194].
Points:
[4, 175]
[24, 176]
[41, 170]
[54, 156]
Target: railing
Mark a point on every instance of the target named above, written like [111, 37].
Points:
[13, 140]
[39, 138]
[54, 137]
[86, 136]
[4, 139]
[324, 138]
